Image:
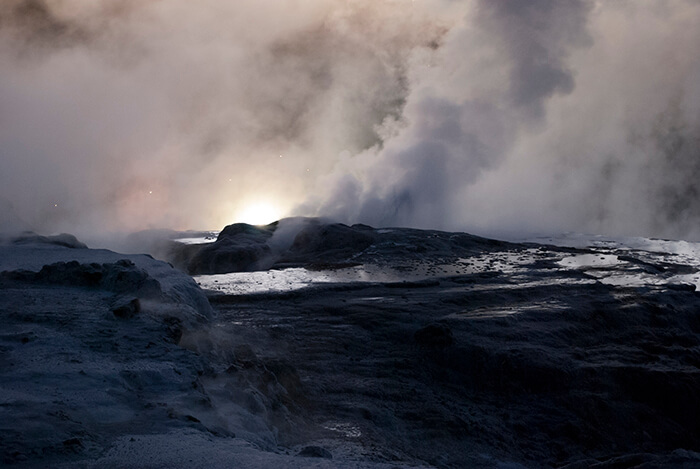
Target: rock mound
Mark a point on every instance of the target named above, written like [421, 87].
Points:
[119, 277]
[332, 240]
[168, 290]
[311, 242]
[239, 248]
[63, 239]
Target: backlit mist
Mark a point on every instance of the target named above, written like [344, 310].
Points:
[491, 116]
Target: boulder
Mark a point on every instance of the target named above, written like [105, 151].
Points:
[335, 240]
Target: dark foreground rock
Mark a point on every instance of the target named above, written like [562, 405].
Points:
[434, 335]
[506, 356]
[126, 308]
[109, 360]
[527, 365]
[89, 351]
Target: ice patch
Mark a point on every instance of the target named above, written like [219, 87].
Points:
[276, 281]
[677, 251]
[508, 262]
[199, 240]
[692, 279]
[590, 260]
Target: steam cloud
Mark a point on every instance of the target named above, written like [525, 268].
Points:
[484, 115]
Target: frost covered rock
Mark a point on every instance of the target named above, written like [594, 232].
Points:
[166, 291]
[63, 239]
[89, 351]
[120, 277]
[126, 308]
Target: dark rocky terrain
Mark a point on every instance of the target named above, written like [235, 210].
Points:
[517, 360]
[351, 347]
[444, 372]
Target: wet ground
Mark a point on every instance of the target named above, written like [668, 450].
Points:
[359, 348]
[530, 355]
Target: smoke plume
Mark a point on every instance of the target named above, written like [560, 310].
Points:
[492, 116]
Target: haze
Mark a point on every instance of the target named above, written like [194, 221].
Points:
[492, 116]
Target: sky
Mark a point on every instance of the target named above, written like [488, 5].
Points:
[489, 116]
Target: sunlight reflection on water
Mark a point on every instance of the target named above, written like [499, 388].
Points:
[518, 266]
[275, 281]
[290, 279]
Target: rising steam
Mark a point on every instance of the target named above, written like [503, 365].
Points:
[488, 115]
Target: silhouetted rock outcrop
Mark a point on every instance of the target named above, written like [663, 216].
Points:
[240, 247]
[309, 242]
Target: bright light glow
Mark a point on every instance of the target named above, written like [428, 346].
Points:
[260, 213]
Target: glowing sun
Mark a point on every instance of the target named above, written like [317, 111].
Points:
[260, 213]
